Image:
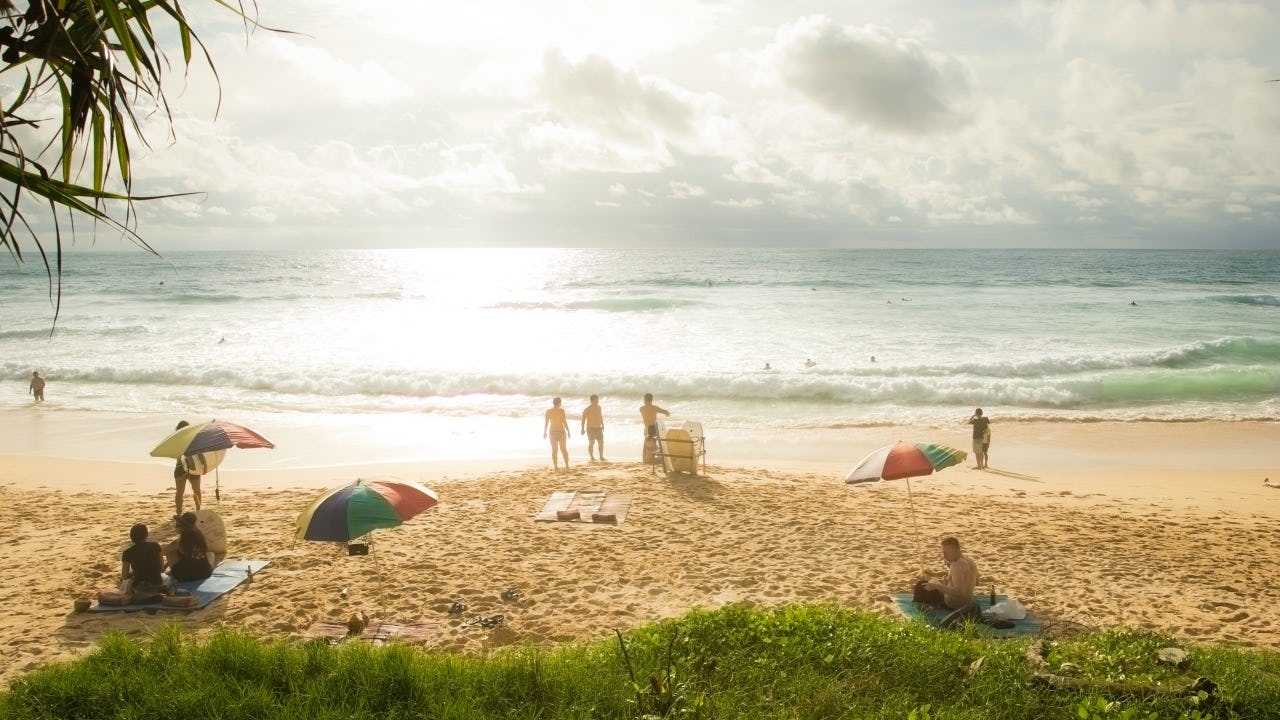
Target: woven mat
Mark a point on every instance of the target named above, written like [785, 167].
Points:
[375, 632]
[593, 506]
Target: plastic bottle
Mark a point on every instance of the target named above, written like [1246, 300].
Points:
[343, 594]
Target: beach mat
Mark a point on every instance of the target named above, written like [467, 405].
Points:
[376, 632]
[932, 616]
[225, 577]
[593, 506]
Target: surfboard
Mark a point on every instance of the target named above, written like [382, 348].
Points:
[209, 522]
[202, 463]
[679, 452]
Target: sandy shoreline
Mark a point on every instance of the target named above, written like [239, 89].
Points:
[1161, 526]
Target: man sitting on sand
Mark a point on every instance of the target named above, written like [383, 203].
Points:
[956, 589]
[142, 565]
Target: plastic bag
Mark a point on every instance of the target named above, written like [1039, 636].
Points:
[1009, 609]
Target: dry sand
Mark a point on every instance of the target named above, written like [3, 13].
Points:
[1172, 540]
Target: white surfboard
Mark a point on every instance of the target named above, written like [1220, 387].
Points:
[203, 463]
[209, 522]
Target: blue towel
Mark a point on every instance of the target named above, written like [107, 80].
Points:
[226, 576]
[1026, 626]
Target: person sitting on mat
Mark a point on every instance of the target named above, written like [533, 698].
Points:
[189, 554]
[142, 565]
[956, 589]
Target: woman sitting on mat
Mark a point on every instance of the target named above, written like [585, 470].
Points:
[189, 554]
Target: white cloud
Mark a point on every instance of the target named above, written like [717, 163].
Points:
[1135, 26]
[871, 76]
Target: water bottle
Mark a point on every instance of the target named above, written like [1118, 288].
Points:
[343, 594]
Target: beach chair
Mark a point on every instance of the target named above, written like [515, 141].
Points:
[680, 449]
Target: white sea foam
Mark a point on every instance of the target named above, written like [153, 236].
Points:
[1045, 335]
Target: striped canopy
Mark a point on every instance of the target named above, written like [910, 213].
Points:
[361, 507]
[204, 437]
[904, 460]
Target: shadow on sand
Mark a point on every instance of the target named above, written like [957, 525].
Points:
[1008, 474]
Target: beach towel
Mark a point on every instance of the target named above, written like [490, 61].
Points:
[225, 577]
[376, 631]
[933, 616]
[591, 506]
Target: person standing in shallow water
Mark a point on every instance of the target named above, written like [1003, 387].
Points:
[981, 437]
[36, 388]
[556, 426]
[593, 427]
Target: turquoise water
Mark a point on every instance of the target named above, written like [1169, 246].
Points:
[482, 336]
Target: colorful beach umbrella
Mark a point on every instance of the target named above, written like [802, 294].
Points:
[361, 507]
[201, 447]
[903, 461]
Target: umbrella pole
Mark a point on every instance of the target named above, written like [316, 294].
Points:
[914, 526]
[217, 487]
[382, 590]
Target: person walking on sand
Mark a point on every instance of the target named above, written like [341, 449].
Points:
[180, 479]
[981, 437]
[556, 426]
[36, 387]
[593, 427]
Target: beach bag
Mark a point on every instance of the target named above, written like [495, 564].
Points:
[1009, 609]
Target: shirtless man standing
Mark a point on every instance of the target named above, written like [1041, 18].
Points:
[556, 425]
[593, 427]
[649, 414]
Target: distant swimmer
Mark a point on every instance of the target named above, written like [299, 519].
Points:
[767, 366]
[1133, 303]
[222, 341]
[809, 363]
[873, 358]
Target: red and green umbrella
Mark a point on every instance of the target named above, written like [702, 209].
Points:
[903, 461]
[363, 506]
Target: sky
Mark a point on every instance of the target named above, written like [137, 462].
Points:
[880, 123]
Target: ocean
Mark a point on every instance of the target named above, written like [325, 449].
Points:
[468, 346]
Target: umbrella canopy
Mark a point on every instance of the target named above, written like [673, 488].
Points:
[904, 460]
[213, 435]
[363, 506]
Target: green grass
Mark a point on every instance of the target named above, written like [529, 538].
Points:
[736, 662]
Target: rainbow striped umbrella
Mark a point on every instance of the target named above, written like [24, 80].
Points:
[904, 460]
[200, 447]
[361, 507]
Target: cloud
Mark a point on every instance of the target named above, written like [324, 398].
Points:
[1137, 26]
[619, 103]
[872, 77]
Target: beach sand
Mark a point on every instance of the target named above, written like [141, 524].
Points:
[1161, 526]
